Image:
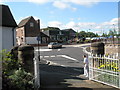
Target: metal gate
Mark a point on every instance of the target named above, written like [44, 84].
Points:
[105, 69]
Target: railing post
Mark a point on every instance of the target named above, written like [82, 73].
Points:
[90, 67]
[119, 71]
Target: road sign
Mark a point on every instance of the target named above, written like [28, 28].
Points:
[38, 38]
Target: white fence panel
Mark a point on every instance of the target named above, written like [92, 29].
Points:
[105, 70]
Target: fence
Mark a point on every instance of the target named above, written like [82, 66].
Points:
[105, 69]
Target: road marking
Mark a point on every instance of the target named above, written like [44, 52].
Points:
[46, 56]
[64, 56]
[43, 50]
[59, 50]
[53, 56]
[41, 56]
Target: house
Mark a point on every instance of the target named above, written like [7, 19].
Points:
[71, 34]
[44, 38]
[28, 30]
[52, 32]
[7, 28]
[58, 35]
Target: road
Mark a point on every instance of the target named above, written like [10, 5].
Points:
[68, 56]
[65, 69]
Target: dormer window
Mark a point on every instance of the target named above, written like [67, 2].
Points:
[31, 24]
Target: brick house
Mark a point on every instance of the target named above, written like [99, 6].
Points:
[27, 31]
[7, 28]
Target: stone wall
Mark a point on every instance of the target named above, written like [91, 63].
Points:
[112, 49]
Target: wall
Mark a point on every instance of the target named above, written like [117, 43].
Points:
[112, 48]
[32, 31]
[31, 40]
[0, 38]
[7, 38]
[20, 34]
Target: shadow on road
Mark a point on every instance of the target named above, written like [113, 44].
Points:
[52, 76]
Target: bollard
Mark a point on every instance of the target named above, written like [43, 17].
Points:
[25, 56]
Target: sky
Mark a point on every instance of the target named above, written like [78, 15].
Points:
[92, 15]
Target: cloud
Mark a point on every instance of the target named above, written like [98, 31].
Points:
[83, 3]
[2, 2]
[55, 24]
[38, 1]
[60, 4]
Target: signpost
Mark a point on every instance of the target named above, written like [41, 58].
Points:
[38, 39]
[36, 63]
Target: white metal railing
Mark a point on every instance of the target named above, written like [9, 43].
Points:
[105, 69]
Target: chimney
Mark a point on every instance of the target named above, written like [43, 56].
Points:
[38, 22]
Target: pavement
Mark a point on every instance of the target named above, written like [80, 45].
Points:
[54, 76]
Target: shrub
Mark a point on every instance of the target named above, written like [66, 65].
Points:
[13, 75]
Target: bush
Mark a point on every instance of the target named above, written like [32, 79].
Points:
[87, 41]
[13, 75]
[21, 80]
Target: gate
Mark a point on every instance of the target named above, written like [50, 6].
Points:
[105, 69]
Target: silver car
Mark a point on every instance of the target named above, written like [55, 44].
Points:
[54, 45]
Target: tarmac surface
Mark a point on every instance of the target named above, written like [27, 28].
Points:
[60, 77]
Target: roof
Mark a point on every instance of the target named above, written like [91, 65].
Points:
[50, 28]
[69, 30]
[43, 35]
[24, 21]
[6, 17]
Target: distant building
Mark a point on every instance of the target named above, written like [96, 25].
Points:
[7, 28]
[28, 30]
[52, 32]
[71, 33]
[58, 35]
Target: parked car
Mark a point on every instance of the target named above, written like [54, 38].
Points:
[54, 45]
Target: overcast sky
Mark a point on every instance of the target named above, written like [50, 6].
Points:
[95, 16]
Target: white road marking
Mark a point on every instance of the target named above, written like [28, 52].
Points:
[59, 50]
[41, 56]
[52, 56]
[65, 56]
[46, 56]
[42, 50]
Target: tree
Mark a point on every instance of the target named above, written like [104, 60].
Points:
[88, 34]
[104, 35]
[83, 34]
[112, 32]
[91, 34]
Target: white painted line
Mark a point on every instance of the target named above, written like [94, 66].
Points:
[59, 50]
[43, 50]
[46, 56]
[65, 56]
[52, 56]
[41, 56]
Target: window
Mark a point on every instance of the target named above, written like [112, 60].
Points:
[31, 24]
